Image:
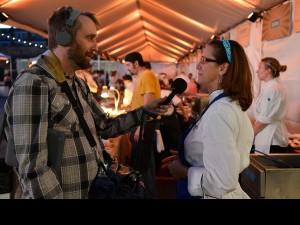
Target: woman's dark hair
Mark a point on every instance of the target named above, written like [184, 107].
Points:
[58, 21]
[237, 82]
[147, 65]
[162, 84]
[274, 65]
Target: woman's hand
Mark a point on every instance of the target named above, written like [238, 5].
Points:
[185, 117]
[166, 161]
[174, 165]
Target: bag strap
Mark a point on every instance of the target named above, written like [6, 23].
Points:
[79, 113]
[135, 163]
[83, 123]
[86, 129]
[54, 65]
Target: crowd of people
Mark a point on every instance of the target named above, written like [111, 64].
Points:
[206, 159]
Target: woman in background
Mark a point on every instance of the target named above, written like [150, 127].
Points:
[271, 135]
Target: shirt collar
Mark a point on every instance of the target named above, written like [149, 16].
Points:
[215, 94]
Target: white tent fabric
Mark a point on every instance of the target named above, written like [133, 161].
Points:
[287, 51]
[165, 31]
[162, 30]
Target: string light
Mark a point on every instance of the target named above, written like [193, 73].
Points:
[24, 42]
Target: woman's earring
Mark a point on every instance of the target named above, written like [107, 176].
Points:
[220, 79]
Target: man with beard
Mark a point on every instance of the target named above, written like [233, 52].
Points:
[38, 102]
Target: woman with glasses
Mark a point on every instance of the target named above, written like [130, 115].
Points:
[215, 149]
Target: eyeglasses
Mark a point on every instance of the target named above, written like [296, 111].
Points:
[204, 60]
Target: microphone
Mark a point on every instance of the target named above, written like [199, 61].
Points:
[178, 87]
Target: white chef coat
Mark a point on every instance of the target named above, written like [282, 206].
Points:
[128, 92]
[218, 149]
[271, 108]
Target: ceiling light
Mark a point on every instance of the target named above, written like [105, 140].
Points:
[214, 37]
[254, 16]
[3, 17]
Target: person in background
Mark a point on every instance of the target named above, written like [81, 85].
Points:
[216, 148]
[146, 89]
[129, 86]
[37, 102]
[98, 79]
[147, 65]
[169, 127]
[183, 76]
[88, 78]
[113, 78]
[271, 135]
[192, 88]
[7, 80]
[120, 86]
[165, 79]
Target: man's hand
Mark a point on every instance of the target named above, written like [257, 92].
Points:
[156, 107]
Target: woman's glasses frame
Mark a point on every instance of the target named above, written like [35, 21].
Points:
[204, 60]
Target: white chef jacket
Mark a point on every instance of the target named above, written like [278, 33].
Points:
[128, 92]
[271, 108]
[218, 149]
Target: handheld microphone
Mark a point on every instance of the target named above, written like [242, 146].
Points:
[178, 87]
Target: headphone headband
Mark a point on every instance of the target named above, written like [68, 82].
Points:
[63, 37]
[74, 14]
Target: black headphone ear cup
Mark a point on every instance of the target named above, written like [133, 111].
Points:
[63, 38]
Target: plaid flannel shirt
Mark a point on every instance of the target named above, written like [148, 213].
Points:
[28, 118]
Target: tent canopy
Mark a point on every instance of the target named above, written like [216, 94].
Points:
[162, 30]
[4, 57]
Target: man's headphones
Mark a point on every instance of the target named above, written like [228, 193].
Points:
[63, 37]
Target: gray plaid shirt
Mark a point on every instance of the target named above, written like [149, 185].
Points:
[28, 118]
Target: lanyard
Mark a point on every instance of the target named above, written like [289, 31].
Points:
[186, 132]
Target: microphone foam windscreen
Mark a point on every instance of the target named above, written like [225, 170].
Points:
[178, 86]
